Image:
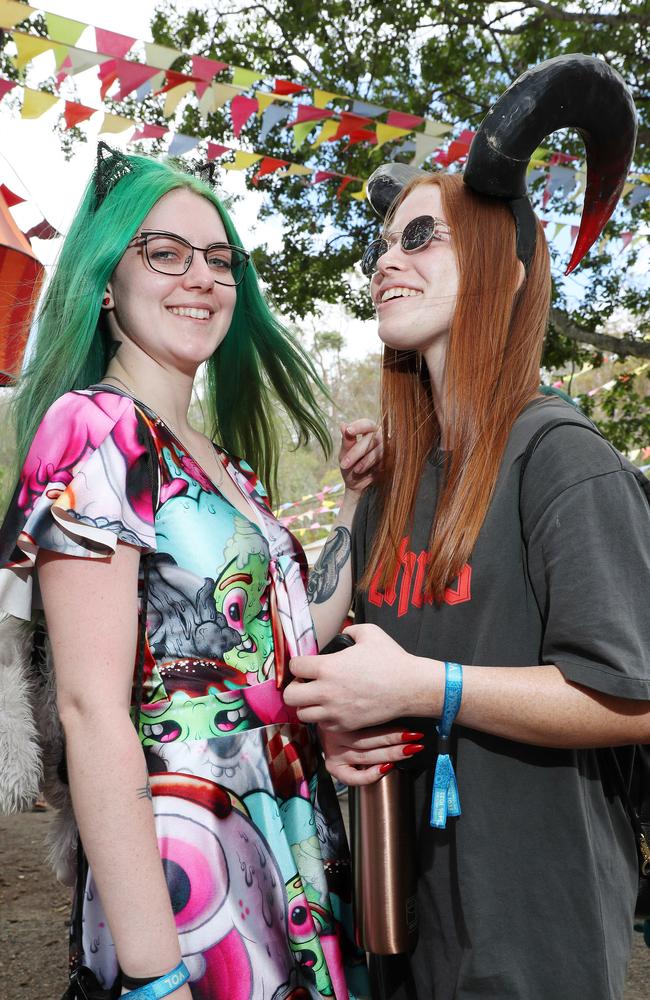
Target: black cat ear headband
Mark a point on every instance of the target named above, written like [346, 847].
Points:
[572, 91]
[112, 166]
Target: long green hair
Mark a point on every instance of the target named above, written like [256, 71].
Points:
[257, 364]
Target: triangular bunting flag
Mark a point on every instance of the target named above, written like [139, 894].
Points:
[370, 110]
[175, 96]
[387, 133]
[323, 175]
[327, 132]
[112, 44]
[401, 120]
[360, 195]
[82, 60]
[241, 109]
[149, 132]
[264, 100]
[287, 88]
[30, 46]
[424, 146]
[323, 97]
[75, 113]
[182, 144]
[432, 127]
[131, 76]
[215, 150]
[269, 165]
[216, 96]
[12, 13]
[63, 29]
[244, 78]
[42, 231]
[37, 102]
[308, 113]
[116, 123]
[272, 116]
[242, 160]
[299, 169]
[205, 68]
[174, 79]
[6, 86]
[9, 196]
[160, 56]
[300, 133]
[107, 73]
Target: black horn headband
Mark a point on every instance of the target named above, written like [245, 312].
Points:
[572, 91]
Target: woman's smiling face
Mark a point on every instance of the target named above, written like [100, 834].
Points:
[177, 320]
[415, 293]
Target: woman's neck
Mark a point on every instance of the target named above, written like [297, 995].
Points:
[167, 393]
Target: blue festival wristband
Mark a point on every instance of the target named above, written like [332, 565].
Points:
[163, 986]
[444, 799]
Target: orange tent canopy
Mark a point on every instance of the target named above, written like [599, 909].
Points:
[21, 275]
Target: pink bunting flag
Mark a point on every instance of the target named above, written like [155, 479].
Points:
[107, 73]
[401, 120]
[308, 113]
[626, 238]
[574, 232]
[6, 86]
[111, 44]
[241, 109]
[66, 66]
[149, 132]
[9, 196]
[205, 70]
[131, 76]
[215, 150]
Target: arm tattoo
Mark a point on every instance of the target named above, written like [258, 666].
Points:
[145, 793]
[324, 577]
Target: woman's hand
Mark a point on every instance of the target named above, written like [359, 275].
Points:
[364, 756]
[370, 682]
[360, 454]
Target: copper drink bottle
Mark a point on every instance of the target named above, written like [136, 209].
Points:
[382, 819]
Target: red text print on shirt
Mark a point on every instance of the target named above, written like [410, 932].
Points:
[409, 580]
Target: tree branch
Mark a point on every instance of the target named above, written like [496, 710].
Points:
[623, 346]
[565, 15]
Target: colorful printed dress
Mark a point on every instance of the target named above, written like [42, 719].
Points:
[249, 828]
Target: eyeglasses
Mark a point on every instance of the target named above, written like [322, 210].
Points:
[416, 235]
[171, 254]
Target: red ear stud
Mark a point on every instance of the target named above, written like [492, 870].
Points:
[105, 300]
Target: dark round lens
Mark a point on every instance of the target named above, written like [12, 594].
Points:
[372, 254]
[417, 233]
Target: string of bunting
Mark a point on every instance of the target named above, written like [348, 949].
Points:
[360, 124]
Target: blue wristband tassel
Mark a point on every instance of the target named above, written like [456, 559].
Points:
[445, 800]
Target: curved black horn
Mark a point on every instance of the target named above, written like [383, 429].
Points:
[572, 91]
[386, 182]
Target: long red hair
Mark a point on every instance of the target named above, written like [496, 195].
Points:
[491, 372]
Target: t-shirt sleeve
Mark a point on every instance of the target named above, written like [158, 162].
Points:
[84, 486]
[587, 526]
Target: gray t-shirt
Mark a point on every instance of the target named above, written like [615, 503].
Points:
[530, 893]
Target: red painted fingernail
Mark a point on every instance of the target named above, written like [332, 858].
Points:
[385, 768]
[408, 737]
[412, 748]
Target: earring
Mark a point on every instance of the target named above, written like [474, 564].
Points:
[106, 300]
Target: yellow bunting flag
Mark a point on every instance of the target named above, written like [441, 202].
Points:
[627, 188]
[329, 129]
[30, 46]
[244, 78]
[360, 195]
[300, 133]
[37, 102]
[160, 55]
[174, 96]
[116, 123]
[323, 97]
[386, 133]
[242, 160]
[216, 96]
[12, 13]
[264, 99]
[299, 169]
[64, 29]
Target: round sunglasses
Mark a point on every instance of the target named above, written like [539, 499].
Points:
[416, 235]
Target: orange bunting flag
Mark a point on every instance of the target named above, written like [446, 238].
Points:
[308, 113]
[268, 166]
[344, 183]
[75, 113]
[324, 175]
[10, 198]
[286, 87]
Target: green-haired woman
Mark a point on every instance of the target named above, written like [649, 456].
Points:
[215, 865]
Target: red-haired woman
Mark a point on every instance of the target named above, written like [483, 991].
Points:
[505, 590]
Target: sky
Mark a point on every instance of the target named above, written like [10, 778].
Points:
[32, 163]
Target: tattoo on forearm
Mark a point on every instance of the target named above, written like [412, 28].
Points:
[145, 793]
[324, 577]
